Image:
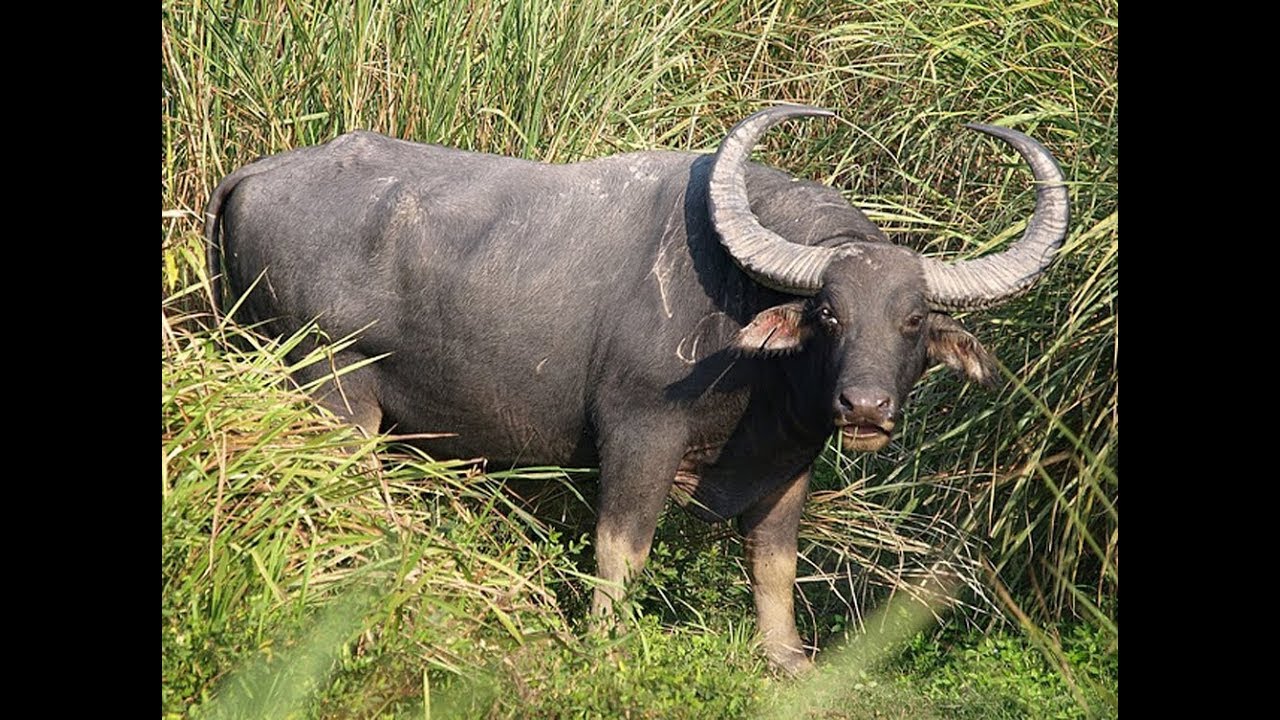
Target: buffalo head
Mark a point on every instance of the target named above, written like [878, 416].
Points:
[873, 313]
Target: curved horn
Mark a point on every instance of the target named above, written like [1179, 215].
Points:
[988, 281]
[766, 256]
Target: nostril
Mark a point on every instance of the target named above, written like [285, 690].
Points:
[865, 406]
[870, 404]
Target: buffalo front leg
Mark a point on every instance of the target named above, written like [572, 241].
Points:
[771, 527]
[635, 476]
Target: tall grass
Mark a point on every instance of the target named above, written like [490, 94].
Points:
[272, 512]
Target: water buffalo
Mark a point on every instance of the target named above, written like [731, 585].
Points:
[675, 319]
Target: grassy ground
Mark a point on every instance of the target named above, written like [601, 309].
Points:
[303, 579]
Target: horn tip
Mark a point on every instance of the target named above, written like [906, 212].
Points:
[995, 130]
[798, 109]
[1009, 135]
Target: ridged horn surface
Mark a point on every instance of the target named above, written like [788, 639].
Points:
[991, 280]
[767, 257]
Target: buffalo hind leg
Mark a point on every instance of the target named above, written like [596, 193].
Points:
[351, 396]
[771, 527]
[636, 473]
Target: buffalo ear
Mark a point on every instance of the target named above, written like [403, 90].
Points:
[779, 329]
[950, 344]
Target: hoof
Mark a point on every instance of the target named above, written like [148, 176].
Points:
[788, 661]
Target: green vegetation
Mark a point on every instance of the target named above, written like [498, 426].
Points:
[303, 578]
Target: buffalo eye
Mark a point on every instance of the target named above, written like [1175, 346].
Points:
[913, 322]
[828, 318]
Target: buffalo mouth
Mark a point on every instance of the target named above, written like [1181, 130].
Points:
[864, 438]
